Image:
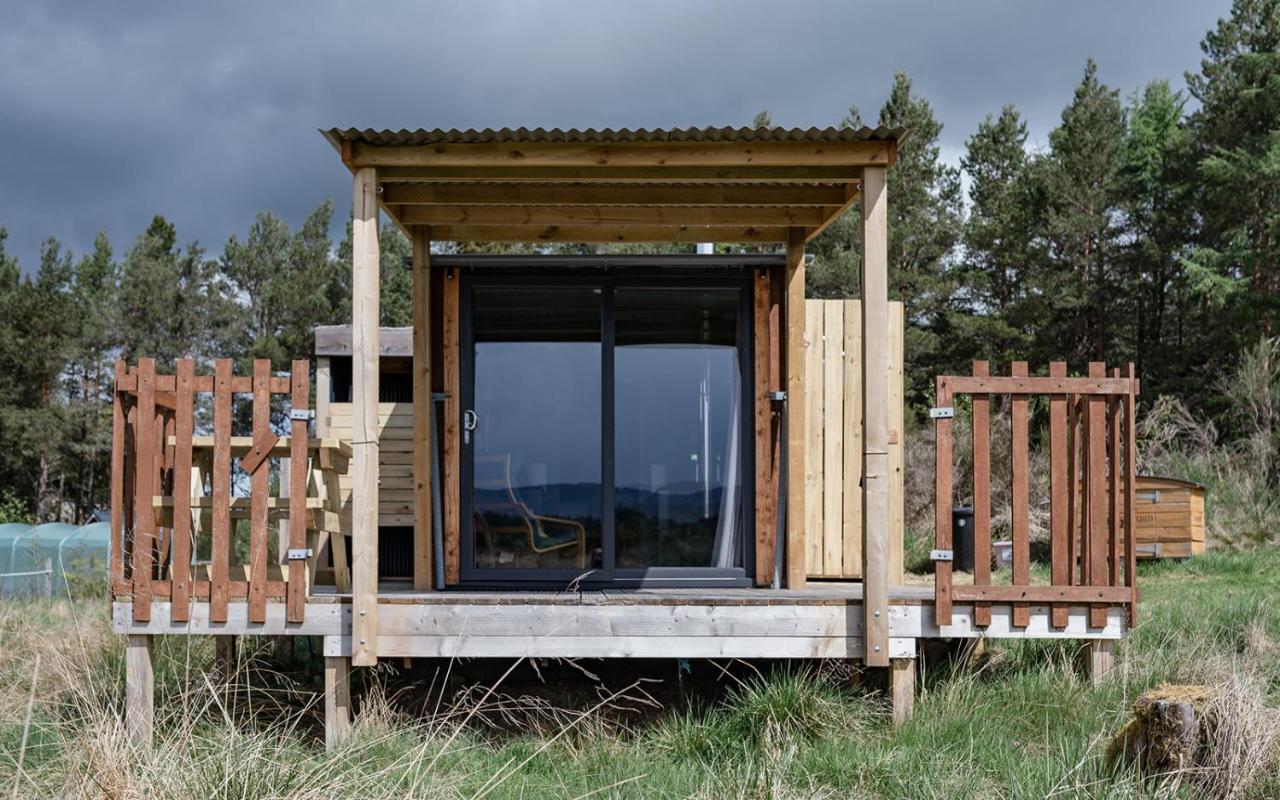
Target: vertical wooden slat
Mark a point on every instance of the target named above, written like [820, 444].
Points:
[796, 445]
[876, 521]
[1020, 493]
[1114, 502]
[852, 433]
[298, 580]
[897, 454]
[813, 438]
[259, 486]
[777, 335]
[1130, 491]
[147, 472]
[1059, 488]
[118, 497]
[764, 521]
[1096, 491]
[366, 290]
[1073, 489]
[981, 493]
[422, 533]
[184, 430]
[942, 504]
[832, 441]
[220, 486]
[451, 444]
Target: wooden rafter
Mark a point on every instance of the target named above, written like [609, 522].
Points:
[606, 233]
[569, 194]
[519, 172]
[614, 215]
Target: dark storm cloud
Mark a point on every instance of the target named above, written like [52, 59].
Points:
[207, 112]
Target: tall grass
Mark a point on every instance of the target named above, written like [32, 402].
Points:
[1018, 722]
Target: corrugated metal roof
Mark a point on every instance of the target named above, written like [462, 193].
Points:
[423, 136]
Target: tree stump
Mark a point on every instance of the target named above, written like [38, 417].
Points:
[1167, 731]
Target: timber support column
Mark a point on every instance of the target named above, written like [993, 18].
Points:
[139, 689]
[902, 690]
[1098, 657]
[365, 312]
[422, 532]
[876, 335]
[795, 544]
[337, 699]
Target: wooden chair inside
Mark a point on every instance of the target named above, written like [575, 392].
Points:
[502, 513]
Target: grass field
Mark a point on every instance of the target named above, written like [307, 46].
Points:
[1015, 722]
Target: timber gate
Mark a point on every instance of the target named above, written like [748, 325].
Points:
[1092, 483]
[178, 526]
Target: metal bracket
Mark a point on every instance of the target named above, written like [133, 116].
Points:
[299, 554]
[941, 555]
[942, 412]
[778, 397]
[302, 414]
[439, 397]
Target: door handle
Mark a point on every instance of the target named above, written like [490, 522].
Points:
[470, 421]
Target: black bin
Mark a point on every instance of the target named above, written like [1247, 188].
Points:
[962, 538]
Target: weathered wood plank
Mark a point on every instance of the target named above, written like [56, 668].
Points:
[1013, 384]
[421, 483]
[1130, 492]
[119, 498]
[1059, 487]
[982, 492]
[139, 669]
[184, 425]
[813, 437]
[146, 471]
[299, 579]
[897, 446]
[764, 519]
[942, 504]
[612, 216]
[1020, 490]
[832, 452]
[620, 234]
[851, 429]
[259, 486]
[551, 194]
[451, 441]
[1096, 489]
[222, 546]
[711, 176]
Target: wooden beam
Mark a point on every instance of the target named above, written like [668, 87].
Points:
[522, 173]
[617, 233]
[764, 520]
[613, 216]
[365, 304]
[566, 194]
[422, 566]
[875, 414]
[795, 455]
[337, 699]
[626, 154]
[902, 690]
[451, 429]
[851, 195]
[140, 690]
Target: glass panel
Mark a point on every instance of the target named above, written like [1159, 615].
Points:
[678, 473]
[536, 501]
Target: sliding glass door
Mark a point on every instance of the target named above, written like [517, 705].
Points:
[604, 430]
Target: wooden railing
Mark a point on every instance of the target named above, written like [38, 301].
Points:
[1092, 458]
[161, 511]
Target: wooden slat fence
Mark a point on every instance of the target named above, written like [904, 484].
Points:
[161, 512]
[1092, 477]
[833, 434]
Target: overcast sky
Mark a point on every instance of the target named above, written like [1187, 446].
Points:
[111, 112]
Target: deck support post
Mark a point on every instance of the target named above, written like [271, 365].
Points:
[876, 336]
[902, 689]
[224, 655]
[139, 682]
[1098, 657]
[422, 533]
[365, 313]
[795, 455]
[337, 699]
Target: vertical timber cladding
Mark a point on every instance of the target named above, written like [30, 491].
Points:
[833, 439]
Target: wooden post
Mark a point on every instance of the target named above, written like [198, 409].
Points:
[1060, 529]
[224, 655]
[1020, 491]
[337, 699]
[902, 690]
[875, 415]
[1099, 659]
[139, 689]
[795, 410]
[422, 533]
[1096, 517]
[981, 494]
[365, 290]
[765, 522]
